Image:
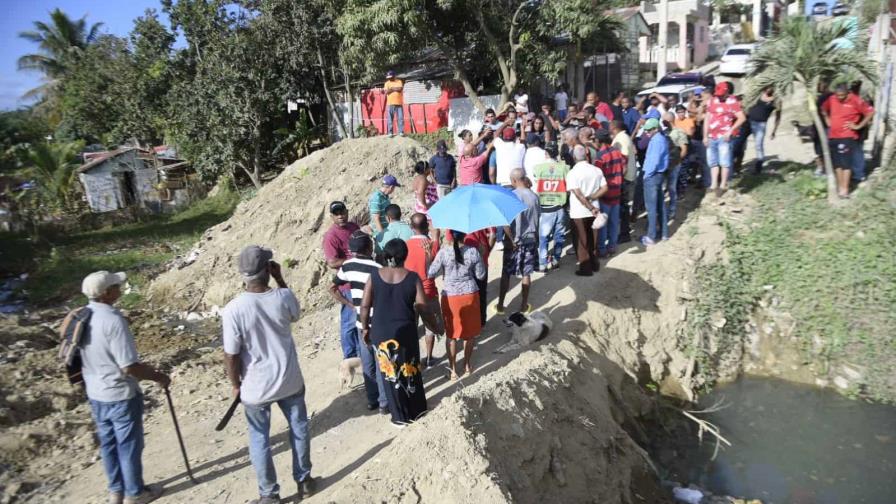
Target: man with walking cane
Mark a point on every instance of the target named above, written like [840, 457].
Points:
[111, 369]
[263, 368]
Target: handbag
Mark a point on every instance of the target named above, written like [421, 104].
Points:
[600, 220]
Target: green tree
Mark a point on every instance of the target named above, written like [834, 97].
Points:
[233, 94]
[141, 90]
[19, 129]
[90, 101]
[806, 53]
[60, 42]
[53, 167]
[513, 39]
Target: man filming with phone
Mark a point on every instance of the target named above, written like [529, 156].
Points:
[263, 367]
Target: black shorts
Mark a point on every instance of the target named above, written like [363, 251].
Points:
[842, 152]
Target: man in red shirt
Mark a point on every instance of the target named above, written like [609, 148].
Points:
[421, 251]
[471, 165]
[336, 251]
[600, 107]
[846, 114]
[722, 119]
[612, 163]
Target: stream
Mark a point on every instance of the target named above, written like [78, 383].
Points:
[796, 444]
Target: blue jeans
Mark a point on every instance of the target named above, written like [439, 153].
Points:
[653, 200]
[374, 385]
[259, 418]
[608, 236]
[119, 426]
[561, 114]
[348, 331]
[718, 153]
[395, 109]
[551, 225]
[669, 208]
[758, 130]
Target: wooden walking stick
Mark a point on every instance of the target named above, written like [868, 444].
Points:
[180, 439]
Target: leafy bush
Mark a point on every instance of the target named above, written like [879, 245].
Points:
[832, 268]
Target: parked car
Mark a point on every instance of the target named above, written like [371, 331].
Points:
[820, 9]
[736, 59]
[840, 9]
[682, 91]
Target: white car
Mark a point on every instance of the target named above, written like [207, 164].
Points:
[736, 60]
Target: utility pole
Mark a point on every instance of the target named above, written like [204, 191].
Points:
[757, 19]
[661, 43]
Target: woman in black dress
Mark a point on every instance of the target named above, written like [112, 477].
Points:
[396, 297]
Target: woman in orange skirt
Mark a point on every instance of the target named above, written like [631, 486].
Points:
[462, 266]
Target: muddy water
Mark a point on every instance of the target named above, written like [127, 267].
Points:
[798, 444]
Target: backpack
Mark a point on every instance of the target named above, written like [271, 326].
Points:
[74, 332]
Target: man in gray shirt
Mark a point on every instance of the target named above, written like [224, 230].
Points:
[520, 243]
[111, 369]
[263, 368]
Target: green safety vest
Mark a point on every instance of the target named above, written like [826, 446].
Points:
[550, 183]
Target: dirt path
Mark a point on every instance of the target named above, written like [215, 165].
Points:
[629, 314]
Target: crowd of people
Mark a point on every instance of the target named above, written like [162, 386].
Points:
[583, 174]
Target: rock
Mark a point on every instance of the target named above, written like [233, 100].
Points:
[193, 317]
[851, 372]
[841, 382]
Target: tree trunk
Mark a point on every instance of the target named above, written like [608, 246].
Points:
[461, 75]
[351, 99]
[340, 126]
[825, 148]
[252, 174]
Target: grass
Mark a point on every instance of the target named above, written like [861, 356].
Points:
[429, 140]
[56, 266]
[834, 270]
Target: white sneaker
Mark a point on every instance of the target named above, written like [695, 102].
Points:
[149, 494]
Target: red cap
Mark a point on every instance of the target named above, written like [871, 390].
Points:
[508, 135]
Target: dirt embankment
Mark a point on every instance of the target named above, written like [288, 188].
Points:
[290, 216]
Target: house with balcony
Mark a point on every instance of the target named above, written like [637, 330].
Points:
[687, 37]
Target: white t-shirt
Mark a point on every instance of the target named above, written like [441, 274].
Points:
[560, 100]
[109, 348]
[508, 155]
[534, 155]
[587, 178]
[257, 328]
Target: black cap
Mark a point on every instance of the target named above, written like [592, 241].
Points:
[358, 241]
[603, 136]
[337, 207]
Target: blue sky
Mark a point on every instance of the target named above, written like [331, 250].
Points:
[18, 15]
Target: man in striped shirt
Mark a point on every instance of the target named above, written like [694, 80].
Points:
[355, 272]
[612, 163]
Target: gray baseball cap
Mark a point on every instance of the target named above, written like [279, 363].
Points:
[253, 260]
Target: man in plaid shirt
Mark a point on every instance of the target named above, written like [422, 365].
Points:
[612, 163]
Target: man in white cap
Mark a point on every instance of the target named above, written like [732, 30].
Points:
[263, 368]
[111, 369]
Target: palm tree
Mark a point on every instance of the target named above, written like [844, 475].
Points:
[806, 52]
[59, 40]
[53, 168]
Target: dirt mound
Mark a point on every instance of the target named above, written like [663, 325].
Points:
[545, 428]
[289, 214]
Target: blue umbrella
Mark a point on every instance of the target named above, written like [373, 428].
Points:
[473, 207]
